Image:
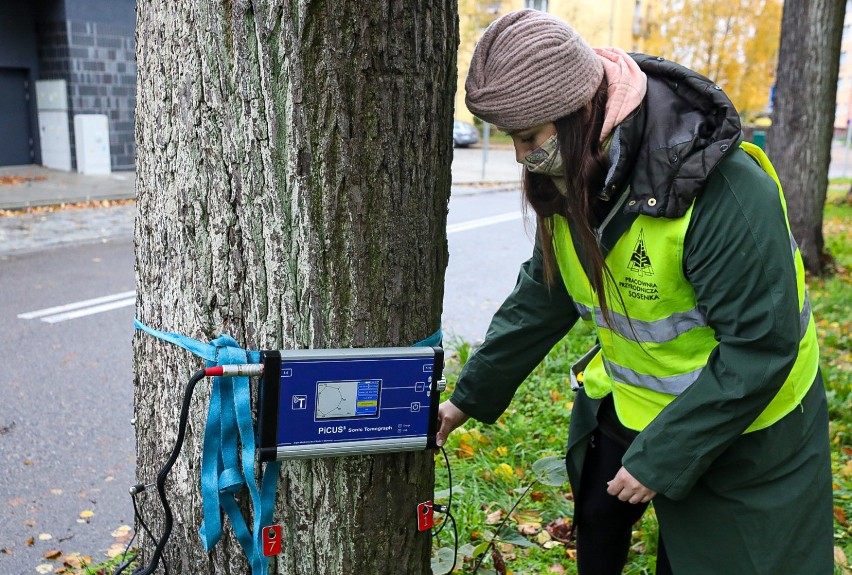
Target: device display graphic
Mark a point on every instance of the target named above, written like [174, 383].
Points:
[344, 399]
[317, 403]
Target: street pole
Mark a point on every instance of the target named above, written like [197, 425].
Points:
[486, 132]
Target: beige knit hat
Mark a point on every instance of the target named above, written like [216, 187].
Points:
[530, 68]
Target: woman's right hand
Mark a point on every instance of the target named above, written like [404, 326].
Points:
[449, 418]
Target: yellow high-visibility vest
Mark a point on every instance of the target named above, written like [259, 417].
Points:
[647, 360]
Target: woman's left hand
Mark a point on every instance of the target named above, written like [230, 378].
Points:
[627, 488]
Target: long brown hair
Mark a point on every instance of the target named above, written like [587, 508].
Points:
[586, 164]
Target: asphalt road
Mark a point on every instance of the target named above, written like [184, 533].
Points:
[66, 442]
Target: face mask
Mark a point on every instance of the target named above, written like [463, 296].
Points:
[546, 159]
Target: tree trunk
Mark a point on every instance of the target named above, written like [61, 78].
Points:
[293, 176]
[799, 142]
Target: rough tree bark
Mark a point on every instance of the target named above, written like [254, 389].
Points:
[799, 143]
[293, 176]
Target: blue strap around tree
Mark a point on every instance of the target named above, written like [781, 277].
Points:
[224, 470]
[229, 418]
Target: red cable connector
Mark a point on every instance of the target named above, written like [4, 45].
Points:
[236, 370]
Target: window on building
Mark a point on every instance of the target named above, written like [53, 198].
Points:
[536, 4]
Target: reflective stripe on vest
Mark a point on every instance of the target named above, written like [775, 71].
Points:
[665, 338]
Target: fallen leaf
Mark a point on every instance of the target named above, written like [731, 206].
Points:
[44, 568]
[121, 531]
[45, 536]
[561, 530]
[556, 568]
[495, 517]
[538, 496]
[30, 542]
[529, 528]
[499, 563]
[27, 462]
[56, 491]
[29, 523]
[464, 450]
[6, 551]
[52, 554]
[115, 550]
[840, 515]
[87, 514]
[840, 557]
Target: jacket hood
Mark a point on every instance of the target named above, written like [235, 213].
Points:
[681, 131]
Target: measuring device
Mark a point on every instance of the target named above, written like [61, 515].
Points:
[332, 402]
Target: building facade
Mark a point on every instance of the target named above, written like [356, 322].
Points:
[843, 109]
[59, 59]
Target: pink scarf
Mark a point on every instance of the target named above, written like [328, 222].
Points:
[627, 86]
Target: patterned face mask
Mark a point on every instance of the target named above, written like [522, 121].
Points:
[546, 159]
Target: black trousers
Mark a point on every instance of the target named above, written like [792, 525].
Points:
[603, 522]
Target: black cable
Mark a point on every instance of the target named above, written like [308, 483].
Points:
[456, 539]
[164, 473]
[499, 527]
[137, 514]
[450, 497]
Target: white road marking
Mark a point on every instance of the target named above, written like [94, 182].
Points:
[95, 302]
[482, 222]
[83, 308]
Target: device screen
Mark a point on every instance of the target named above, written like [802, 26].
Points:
[346, 399]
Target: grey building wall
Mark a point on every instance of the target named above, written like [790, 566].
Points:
[91, 45]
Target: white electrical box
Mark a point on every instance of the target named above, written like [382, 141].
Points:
[52, 104]
[91, 134]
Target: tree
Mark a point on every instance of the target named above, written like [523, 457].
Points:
[732, 42]
[292, 184]
[799, 142]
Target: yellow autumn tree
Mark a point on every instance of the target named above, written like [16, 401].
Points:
[732, 42]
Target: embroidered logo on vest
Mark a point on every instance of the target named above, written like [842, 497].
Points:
[640, 264]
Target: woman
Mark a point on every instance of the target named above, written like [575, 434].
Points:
[669, 236]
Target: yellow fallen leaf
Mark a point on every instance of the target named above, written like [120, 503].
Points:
[464, 450]
[44, 568]
[87, 514]
[45, 536]
[56, 491]
[121, 531]
[504, 470]
[115, 550]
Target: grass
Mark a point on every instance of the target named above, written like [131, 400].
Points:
[493, 465]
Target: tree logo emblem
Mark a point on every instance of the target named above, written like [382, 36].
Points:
[639, 261]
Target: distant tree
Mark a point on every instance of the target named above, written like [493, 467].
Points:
[732, 42]
[799, 142]
[293, 176]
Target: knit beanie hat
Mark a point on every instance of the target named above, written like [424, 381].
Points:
[530, 68]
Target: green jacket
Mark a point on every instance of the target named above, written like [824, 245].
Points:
[742, 504]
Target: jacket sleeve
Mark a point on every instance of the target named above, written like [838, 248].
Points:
[738, 258]
[527, 325]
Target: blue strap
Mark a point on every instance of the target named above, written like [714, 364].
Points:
[229, 420]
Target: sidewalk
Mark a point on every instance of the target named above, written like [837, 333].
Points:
[33, 186]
